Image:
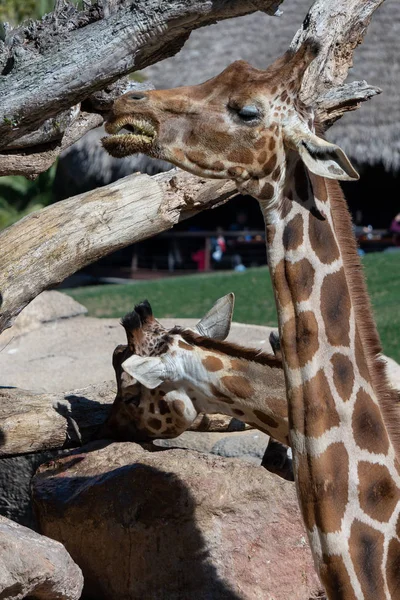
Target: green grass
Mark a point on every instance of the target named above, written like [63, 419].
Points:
[192, 296]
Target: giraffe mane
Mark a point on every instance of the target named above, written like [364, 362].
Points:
[228, 348]
[388, 398]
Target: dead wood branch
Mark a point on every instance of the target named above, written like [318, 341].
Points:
[52, 65]
[45, 247]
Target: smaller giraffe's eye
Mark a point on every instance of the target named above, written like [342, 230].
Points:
[249, 113]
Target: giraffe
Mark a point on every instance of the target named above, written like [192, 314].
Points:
[206, 371]
[250, 126]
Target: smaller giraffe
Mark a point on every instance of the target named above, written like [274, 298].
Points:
[205, 375]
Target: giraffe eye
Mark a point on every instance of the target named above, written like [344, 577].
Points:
[249, 113]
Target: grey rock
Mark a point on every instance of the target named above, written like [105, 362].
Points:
[35, 566]
[250, 445]
[45, 308]
[174, 525]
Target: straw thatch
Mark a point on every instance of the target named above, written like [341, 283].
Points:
[370, 135]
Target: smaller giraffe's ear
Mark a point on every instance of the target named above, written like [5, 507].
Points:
[216, 323]
[323, 158]
[150, 371]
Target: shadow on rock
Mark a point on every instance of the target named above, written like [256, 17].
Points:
[132, 529]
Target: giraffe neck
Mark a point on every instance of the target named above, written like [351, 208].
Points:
[346, 470]
[250, 391]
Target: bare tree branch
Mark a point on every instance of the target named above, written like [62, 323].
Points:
[88, 51]
[45, 247]
[338, 26]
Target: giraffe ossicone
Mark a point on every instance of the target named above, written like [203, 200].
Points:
[251, 126]
[166, 378]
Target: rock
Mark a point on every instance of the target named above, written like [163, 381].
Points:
[35, 566]
[16, 473]
[217, 422]
[45, 308]
[250, 446]
[175, 524]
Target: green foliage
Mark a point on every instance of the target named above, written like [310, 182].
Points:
[20, 196]
[192, 296]
[16, 11]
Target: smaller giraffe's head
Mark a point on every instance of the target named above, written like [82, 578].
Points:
[155, 404]
[239, 125]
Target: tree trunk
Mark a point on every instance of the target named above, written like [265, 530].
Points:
[45, 247]
[54, 64]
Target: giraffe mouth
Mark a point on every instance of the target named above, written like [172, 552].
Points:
[139, 136]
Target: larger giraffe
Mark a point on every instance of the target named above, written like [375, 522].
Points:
[249, 125]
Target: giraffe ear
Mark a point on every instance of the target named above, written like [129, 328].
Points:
[325, 159]
[216, 323]
[150, 371]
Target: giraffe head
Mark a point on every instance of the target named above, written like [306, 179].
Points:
[239, 125]
[159, 408]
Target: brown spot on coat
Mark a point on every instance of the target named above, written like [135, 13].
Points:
[220, 396]
[369, 430]
[270, 165]
[336, 578]
[366, 551]
[238, 386]
[262, 157]
[335, 308]
[267, 191]
[238, 412]
[377, 491]
[300, 339]
[212, 363]
[322, 239]
[184, 345]
[393, 568]
[242, 156]
[343, 375]
[293, 233]
[276, 173]
[179, 407]
[164, 407]
[272, 144]
[267, 419]
[280, 283]
[300, 278]
[323, 487]
[238, 365]
[312, 407]
[155, 424]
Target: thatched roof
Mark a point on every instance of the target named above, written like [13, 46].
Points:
[369, 135]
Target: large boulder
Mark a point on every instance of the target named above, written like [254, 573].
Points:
[35, 566]
[45, 308]
[175, 524]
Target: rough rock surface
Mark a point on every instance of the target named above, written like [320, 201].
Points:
[249, 445]
[35, 566]
[45, 308]
[175, 524]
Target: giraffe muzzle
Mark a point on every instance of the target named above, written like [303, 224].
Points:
[139, 135]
